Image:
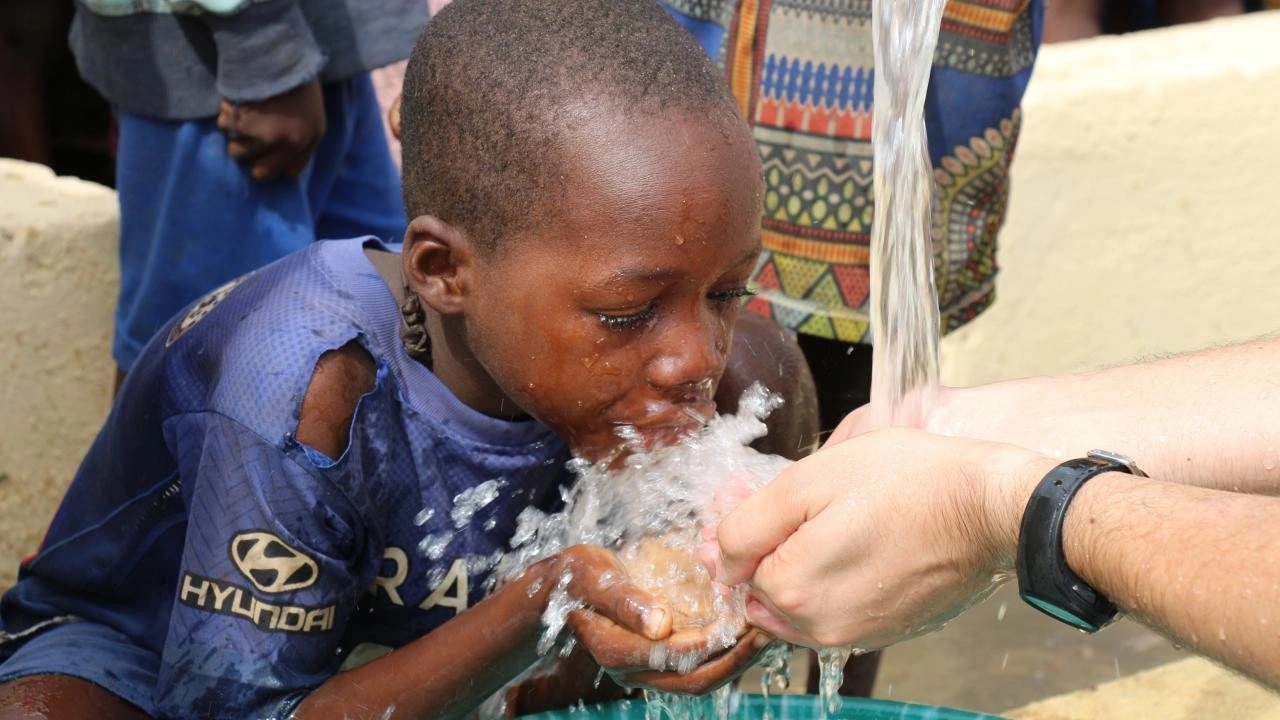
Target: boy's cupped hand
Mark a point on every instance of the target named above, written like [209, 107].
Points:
[275, 137]
[629, 632]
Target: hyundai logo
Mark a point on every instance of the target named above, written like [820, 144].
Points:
[270, 564]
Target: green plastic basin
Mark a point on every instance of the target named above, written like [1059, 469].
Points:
[785, 707]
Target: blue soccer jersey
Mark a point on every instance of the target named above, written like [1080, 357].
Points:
[249, 564]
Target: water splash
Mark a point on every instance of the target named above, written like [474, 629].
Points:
[671, 706]
[470, 501]
[556, 615]
[650, 512]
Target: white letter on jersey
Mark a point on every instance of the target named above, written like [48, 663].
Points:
[457, 576]
[397, 556]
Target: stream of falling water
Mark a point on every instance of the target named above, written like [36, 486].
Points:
[904, 300]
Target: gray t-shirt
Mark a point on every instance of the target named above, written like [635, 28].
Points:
[179, 66]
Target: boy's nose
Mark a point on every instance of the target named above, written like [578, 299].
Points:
[691, 359]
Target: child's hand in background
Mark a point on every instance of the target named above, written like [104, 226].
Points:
[275, 137]
[393, 117]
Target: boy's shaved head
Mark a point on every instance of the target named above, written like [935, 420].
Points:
[495, 89]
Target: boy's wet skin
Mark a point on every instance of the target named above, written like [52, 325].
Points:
[628, 294]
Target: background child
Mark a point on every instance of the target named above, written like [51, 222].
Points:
[246, 131]
[330, 452]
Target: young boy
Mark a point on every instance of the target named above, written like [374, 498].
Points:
[292, 467]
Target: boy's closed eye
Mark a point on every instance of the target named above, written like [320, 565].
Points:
[631, 320]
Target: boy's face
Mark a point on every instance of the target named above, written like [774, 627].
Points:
[619, 311]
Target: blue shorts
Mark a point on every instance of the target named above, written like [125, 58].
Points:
[191, 217]
[89, 651]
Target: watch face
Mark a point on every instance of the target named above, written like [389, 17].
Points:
[1060, 613]
[1115, 458]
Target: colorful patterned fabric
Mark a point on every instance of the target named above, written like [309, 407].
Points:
[803, 71]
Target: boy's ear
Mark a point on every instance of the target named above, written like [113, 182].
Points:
[437, 261]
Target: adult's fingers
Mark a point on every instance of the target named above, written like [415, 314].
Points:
[855, 423]
[709, 675]
[757, 526]
[760, 615]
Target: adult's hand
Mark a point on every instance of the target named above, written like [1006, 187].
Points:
[277, 136]
[878, 537]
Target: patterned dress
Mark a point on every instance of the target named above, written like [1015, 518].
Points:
[802, 71]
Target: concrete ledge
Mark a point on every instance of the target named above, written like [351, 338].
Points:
[1193, 689]
[58, 281]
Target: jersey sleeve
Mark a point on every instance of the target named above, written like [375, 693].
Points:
[275, 558]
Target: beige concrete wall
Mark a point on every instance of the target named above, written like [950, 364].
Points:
[57, 292]
[1145, 210]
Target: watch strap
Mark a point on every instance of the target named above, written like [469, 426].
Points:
[1044, 579]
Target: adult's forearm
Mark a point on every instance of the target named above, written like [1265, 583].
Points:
[1196, 564]
[1210, 419]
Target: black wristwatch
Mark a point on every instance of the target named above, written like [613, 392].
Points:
[1044, 580]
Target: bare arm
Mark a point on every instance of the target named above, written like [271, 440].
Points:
[1198, 565]
[1210, 418]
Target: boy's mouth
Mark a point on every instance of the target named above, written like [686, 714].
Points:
[672, 423]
